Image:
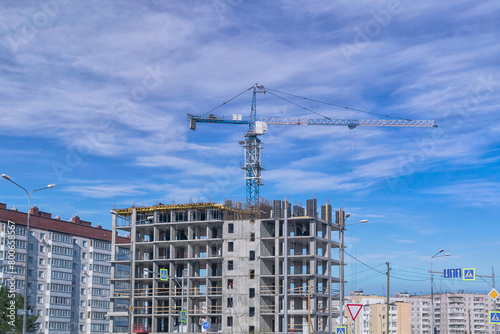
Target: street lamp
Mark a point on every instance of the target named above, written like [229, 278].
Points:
[25, 306]
[342, 227]
[432, 285]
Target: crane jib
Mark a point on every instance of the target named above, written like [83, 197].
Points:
[351, 123]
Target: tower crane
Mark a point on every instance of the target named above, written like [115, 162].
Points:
[257, 126]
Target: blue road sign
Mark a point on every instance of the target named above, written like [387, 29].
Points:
[206, 325]
[452, 273]
[164, 274]
[469, 274]
[341, 330]
[183, 316]
[494, 317]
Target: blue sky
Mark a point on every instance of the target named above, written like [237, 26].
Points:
[94, 97]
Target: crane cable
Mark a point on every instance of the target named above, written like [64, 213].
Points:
[243, 92]
[298, 105]
[336, 105]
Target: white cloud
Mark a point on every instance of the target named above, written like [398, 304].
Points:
[475, 193]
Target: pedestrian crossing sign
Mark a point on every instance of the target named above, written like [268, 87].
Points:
[469, 274]
[494, 317]
[341, 330]
[164, 274]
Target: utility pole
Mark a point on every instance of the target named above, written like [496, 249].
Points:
[309, 306]
[494, 301]
[387, 320]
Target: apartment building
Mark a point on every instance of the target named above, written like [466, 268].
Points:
[68, 269]
[227, 272]
[457, 313]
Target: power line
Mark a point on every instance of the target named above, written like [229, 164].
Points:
[384, 273]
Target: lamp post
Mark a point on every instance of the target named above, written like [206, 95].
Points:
[184, 274]
[25, 306]
[432, 286]
[342, 227]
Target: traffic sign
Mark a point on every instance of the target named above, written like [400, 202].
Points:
[341, 330]
[494, 317]
[164, 274]
[206, 325]
[341, 318]
[452, 273]
[183, 316]
[131, 308]
[354, 310]
[469, 274]
[493, 294]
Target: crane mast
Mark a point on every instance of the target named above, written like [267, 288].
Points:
[257, 126]
[252, 146]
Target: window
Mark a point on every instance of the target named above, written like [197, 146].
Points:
[251, 312]
[229, 321]
[42, 249]
[230, 246]
[230, 302]
[230, 283]
[40, 300]
[252, 273]
[62, 237]
[84, 243]
[42, 235]
[84, 255]
[252, 236]
[41, 274]
[251, 329]
[251, 293]
[252, 255]
[230, 228]
[230, 265]
[40, 287]
[84, 267]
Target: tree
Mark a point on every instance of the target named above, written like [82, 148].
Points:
[9, 318]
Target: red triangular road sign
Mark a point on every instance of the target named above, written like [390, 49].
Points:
[354, 310]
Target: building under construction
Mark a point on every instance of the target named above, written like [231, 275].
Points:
[208, 267]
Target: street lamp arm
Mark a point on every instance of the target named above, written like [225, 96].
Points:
[47, 187]
[17, 184]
